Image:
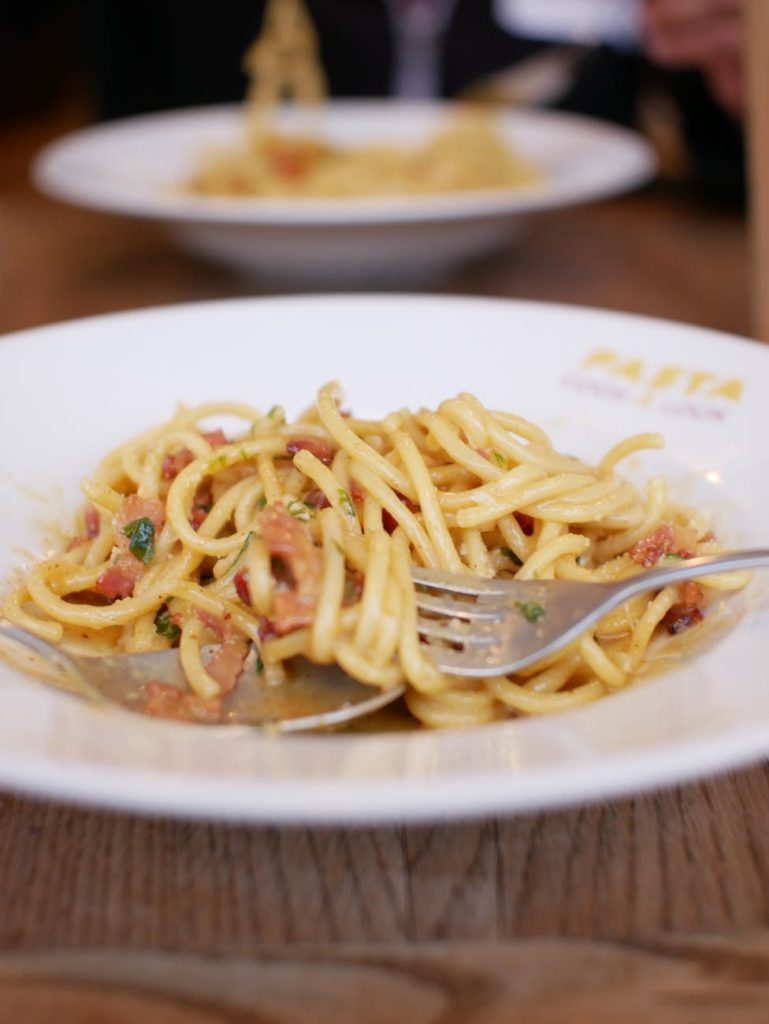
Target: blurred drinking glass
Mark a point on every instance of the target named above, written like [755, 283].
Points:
[418, 29]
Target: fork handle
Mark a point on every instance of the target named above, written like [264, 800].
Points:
[691, 568]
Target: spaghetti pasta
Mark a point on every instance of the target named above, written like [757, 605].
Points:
[467, 154]
[283, 63]
[299, 538]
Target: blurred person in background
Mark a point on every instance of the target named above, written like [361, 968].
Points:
[144, 56]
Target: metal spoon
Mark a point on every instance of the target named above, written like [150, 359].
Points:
[313, 696]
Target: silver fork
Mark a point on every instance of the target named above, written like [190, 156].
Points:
[502, 626]
[313, 696]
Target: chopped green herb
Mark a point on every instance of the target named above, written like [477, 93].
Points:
[299, 510]
[262, 503]
[276, 415]
[141, 536]
[242, 551]
[671, 556]
[500, 460]
[259, 664]
[203, 507]
[338, 546]
[164, 626]
[220, 462]
[346, 501]
[244, 454]
[530, 611]
[511, 555]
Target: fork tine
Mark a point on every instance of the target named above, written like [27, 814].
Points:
[456, 609]
[437, 579]
[453, 632]
[471, 662]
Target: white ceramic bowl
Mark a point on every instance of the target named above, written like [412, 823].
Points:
[135, 167]
[588, 377]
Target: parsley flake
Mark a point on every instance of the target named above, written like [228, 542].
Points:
[508, 553]
[262, 503]
[671, 556]
[141, 536]
[346, 501]
[299, 510]
[259, 664]
[164, 626]
[242, 551]
[500, 460]
[530, 611]
[220, 462]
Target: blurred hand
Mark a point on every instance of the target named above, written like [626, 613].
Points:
[703, 34]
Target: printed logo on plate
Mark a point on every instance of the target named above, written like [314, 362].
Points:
[672, 388]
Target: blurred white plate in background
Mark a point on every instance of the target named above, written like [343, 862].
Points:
[136, 166]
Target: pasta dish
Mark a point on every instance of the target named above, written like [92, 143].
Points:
[283, 63]
[467, 155]
[298, 538]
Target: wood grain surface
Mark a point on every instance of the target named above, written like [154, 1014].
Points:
[757, 19]
[672, 981]
[693, 860]
[690, 860]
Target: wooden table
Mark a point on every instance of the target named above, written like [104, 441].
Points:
[660, 890]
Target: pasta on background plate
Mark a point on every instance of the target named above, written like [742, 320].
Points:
[299, 538]
[283, 63]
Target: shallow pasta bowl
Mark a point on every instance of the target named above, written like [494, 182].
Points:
[590, 377]
[136, 167]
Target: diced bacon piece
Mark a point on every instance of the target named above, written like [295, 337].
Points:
[134, 508]
[216, 438]
[202, 502]
[223, 630]
[665, 540]
[240, 579]
[174, 463]
[285, 536]
[266, 628]
[161, 700]
[292, 610]
[684, 541]
[388, 521]
[690, 593]
[316, 499]
[289, 161]
[119, 580]
[227, 663]
[649, 551]
[525, 522]
[680, 617]
[92, 522]
[314, 445]
[290, 540]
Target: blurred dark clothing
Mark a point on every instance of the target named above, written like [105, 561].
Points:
[144, 55]
[190, 53]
